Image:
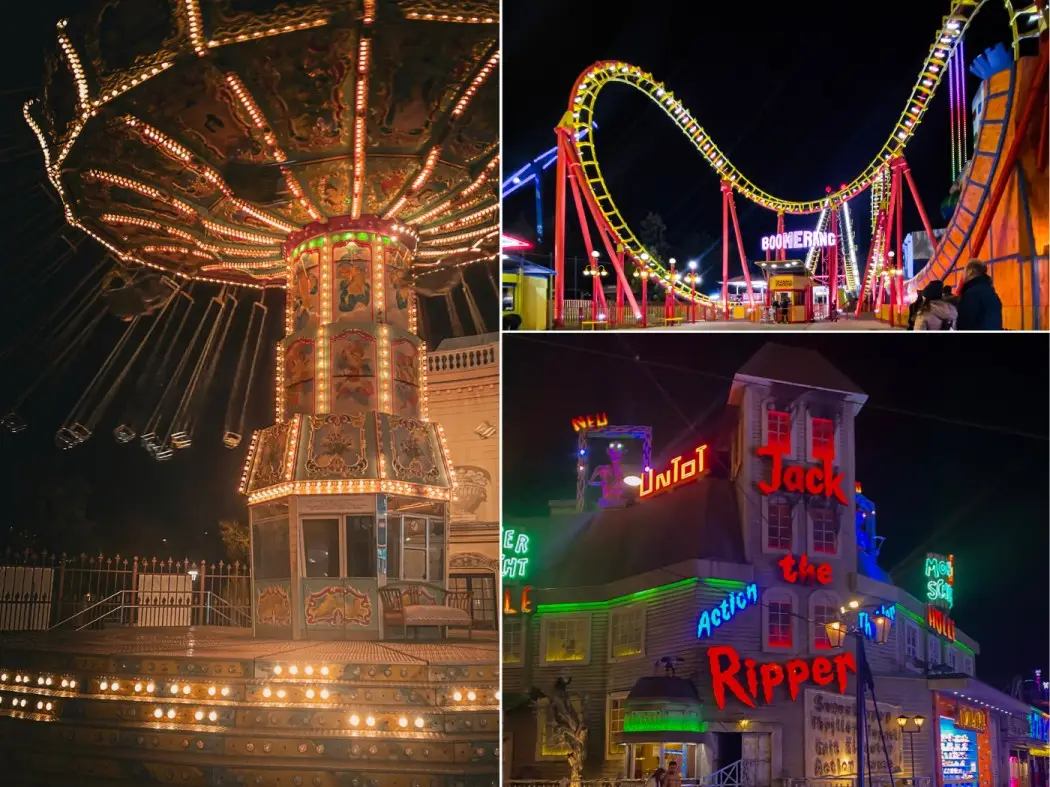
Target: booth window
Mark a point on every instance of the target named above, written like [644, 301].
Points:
[779, 525]
[321, 547]
[615, 709]
[360, 546]
[949, 656]
[933, 649]
[416, 549]
[779, 621]
[271, 554]
[825, 529]
[566, 638]
[483, 586]
[911, 642]
[627, 631]
[823, 431]
[778, 428]
[823, 613]
[513, 639]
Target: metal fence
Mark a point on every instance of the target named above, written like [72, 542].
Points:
[39, 591]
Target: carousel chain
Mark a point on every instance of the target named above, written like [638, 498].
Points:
[475, 313]
[201, 395]
[233, 432]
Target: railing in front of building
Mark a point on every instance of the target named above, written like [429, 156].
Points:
[463, 360]
[734, 775]
[40, 592]
[876, 780]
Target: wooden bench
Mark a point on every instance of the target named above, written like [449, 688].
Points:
[406, 606]
[592, 324]
[673, 319]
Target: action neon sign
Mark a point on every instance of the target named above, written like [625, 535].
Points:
[799, 239]
[711, 619]
[583, 423]
[515, 558]
[940, 580]
[679, 472]
[726, 666]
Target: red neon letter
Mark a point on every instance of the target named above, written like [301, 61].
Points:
[843, 662]
[526, 602]
[824, 573]
[726, 678]
[822, 671]
[787, 568]
[776, 452]
[772, 675]
[797, 674]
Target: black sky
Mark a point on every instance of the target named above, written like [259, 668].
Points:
[798, 95]
[978, 491]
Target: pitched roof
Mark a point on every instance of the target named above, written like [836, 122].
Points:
[797, 366]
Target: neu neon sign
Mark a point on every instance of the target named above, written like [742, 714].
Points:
[799, 239]
[726, 611]
[725, 664]
[582, 423]
[940, 580]
[678, 473]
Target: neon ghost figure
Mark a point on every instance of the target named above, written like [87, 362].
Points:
[610, 477]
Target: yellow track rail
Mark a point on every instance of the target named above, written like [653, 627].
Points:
[580, 117]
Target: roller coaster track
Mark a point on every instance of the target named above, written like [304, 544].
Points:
[1026, 22]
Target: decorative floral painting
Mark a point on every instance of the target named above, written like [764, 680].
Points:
[273, 606]
[353, 364]
[405, 355]
[413, 451]
[304, 292]
[338, 447]
[299, 375]
[353, 278]
[268, 467]
[399, 296]
[338, 605]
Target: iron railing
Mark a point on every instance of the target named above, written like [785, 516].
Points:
[40, 591]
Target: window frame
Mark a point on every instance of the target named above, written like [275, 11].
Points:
[910, 627]
[968, 665]
[767, 505]
[812, 454]
[520, 621]
[779, 595]
[811, 529]
[951, 657]
[770, 413]
[824, 598]
[613, 749]
[545, 623]
[429, 519]
[542, 707]
[629, 609]
[933, 642]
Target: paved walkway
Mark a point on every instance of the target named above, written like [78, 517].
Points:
[864, 323]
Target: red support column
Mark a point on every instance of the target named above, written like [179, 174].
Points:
[739, 243]
[918, 204]
[781, 254]
[725, 252]
[645, 299]
[559, 233]
[879, 221]
[898, 245]
[619, 287]
[833, 278]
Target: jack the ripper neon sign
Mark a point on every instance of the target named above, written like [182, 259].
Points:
[679, 471]
[814, 481]
[583, 423]
[713, 618]
[725, 664]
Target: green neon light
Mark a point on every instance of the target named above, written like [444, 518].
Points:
[911, 614]
[515, 558]
[641, 595]
[651, 722]
[726, 584]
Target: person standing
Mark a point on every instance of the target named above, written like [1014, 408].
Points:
[673, 777]
[979, 306]
[935, 313]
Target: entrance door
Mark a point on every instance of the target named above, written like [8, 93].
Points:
[756, 757]
[729, 750]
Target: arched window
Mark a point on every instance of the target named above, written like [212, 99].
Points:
[779, 614]
[823, 609]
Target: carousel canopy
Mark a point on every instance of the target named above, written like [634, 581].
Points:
[194, 137]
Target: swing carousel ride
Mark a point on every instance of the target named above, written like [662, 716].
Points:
[345, 152]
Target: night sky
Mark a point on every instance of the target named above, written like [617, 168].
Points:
[952, 448]
[798, 95]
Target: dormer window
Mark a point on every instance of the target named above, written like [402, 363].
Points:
[778, 430]
[823, 438]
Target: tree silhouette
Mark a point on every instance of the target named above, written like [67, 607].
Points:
[569, 728]
[652, 232]
[236, 538]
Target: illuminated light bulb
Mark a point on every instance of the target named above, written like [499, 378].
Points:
[175, 688]
[40, 681]
[324, 670]
[18, 678]
[280, 694]
[267, 692]
[293, 670]
[3, 677]
[419, 722]
[497, 694]
[354, 720]
[171, 713]
[114, 686]
[40, 705]
[402, 722]
[277, 670]
[22, 703]
[65, 683]
[457, 696]
[137, 687]
[471, 695]
[211, 691]
[309, 670]
[158, 713]
[225, 691]
[186, 689]
[103, 685]
[371, 721]
[149, 687]
[213, 716]
[309, 694]
[198, 715]
[47, 682]
[72, 684]
[49, 706]
[324, 694]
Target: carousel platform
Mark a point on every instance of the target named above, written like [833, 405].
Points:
[216, 707]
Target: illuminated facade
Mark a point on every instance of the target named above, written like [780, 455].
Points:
[728, 581]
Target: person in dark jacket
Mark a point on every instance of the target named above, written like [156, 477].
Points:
[979, 306]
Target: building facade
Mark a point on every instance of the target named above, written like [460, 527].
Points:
[726, 575]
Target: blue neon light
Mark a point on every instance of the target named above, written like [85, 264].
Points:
[867, 625]
[711, 619]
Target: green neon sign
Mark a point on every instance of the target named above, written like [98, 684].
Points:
[515, 558]
[662, 721]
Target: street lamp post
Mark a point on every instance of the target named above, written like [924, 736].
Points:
[596, 271]
[902, 722]
[838, 630]
[693, 278]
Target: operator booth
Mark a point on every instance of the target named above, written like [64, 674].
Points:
[789, 294]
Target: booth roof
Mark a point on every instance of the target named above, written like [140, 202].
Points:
[797, 366]
[698, 521]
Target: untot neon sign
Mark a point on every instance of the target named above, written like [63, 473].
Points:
[515, 555]
[711, 619]
[799, 239]
[680, 471]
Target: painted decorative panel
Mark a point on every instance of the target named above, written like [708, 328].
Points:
[304, 291]
[340, 606]
[355, 387]
[299, 376]
[405, 361]
[352, 280]
[339, 447]
[268, 465]
[399, 294]
[273, 603]
[412, 450]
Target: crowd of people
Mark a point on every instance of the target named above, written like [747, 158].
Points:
[976, 308]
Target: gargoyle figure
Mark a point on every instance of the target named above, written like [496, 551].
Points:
[610, 477]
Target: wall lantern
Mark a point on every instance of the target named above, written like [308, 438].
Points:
[902, 721]
[836, 633]
[882, 629]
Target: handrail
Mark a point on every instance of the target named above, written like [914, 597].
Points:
[87, 609]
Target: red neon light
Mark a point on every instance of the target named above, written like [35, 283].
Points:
[796, 478]
[510, 242]
[678, 473]
[800, 571]
[938, 620]
[725, 665]
[582, 423]
[525, 607]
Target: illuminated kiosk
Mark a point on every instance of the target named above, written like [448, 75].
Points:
[787, 280]
[349, 490]
[662, 722]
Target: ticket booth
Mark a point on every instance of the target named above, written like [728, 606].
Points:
[790, 298]
[663, 722]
